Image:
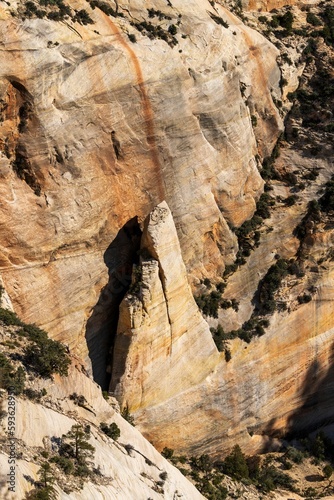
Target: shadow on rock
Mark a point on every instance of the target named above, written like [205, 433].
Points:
[101, 327]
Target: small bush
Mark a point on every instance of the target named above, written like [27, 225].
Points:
[10, 379]
[33, 395]
[303, 299]
[235, 464]
[48, 358]
[9, 318]
[83, 17]
[167, 453]
[65, 464]
[254, 121]
[127, 416]
[290, 200]
[297, 456]
[219, 20]
[172, 29]
[269, 285]
[111, 430]
[313, 19]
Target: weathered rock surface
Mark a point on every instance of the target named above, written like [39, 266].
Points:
[186, 396]
[96, 130]
[160, 329]
[125, 474]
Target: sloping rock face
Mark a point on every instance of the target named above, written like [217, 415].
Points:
[96, 130]
[124, 474]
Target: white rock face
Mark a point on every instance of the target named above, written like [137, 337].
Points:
[128, 474]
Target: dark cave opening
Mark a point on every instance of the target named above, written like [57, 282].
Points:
[101, 327]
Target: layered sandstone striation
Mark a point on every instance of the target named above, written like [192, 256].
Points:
[96, 130]
[96, 133]
[160, 328]
[124, 472]
[184, 394]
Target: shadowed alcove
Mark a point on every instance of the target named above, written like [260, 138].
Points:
[101, 327]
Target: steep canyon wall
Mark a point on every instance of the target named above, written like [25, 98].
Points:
[125, 162]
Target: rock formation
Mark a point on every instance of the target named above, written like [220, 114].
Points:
[131, 149]
[183, 394]
[161, 333]
[127, 465]
[185, 137]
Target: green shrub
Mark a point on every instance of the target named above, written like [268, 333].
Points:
[10, 379]
[327, 471]
[218, 20]
[207, 282]
[271, 478]
[209, 304]
[297, 456]
[33, 395]
[303, 299]
[48, 358]
[83, 17]
[326, 202]
[290, 200]
[328, 30]
[235, 464]
[47, 493]
[313, 19]
[167, 453]
[172, 29]
[112, 430]
[254, 121]
[127, 416]
[63, 463]
[269, 284]
[286, 21]
[312, 216]
[9, 318]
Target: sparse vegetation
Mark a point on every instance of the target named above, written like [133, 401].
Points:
[127, 415]
[11, 379]
[112, 430]
[40, 355]
[76, 446]
[313, 19]
[254, 120]
[270, 283]
[219, 20]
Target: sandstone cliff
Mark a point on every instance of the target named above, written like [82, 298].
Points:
[86, 121]
[168, 372]
[160, 328]
[130, 153]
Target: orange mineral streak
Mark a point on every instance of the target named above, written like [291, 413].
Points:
[259, 77]
[147, 109]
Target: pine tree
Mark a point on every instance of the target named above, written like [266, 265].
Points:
[78, 438]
